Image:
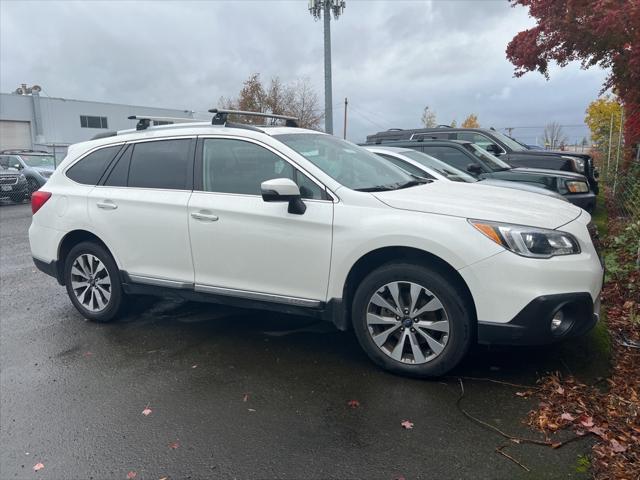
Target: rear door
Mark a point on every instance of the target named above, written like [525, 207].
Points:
[139, 209]
[246, 247]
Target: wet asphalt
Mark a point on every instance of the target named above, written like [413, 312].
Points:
[241, 394]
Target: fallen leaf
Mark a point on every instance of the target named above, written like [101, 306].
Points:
[147, 411]
[251, 409]
[598, 431]
[37, 467]
[174, 445]
[568, 417]
[560, 390]
[522, 394]
[131, 475]
[245, 397]
[407, 424]
[617, 447]
[353, 403]
[587, 422]
[164, 478]
[194, 366]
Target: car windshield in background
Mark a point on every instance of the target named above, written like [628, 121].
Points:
[352, 166]
[509, 142]
[442, 168]
[491, 161]
[46, 161]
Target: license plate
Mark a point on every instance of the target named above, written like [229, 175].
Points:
[7, 188]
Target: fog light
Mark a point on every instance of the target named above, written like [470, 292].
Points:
[556, 321]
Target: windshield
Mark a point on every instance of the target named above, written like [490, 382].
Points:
[508, 141]
[442, 168]
[46, 161]
[352, 166]
[491, 161]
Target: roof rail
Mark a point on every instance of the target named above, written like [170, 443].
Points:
[220, 116]
[445, 126]
[98, 136]
[144, 121]
[21, 150]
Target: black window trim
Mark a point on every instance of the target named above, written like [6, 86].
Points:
[86, 154]
[197, 171]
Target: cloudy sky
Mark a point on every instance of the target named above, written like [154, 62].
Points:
[390, 58]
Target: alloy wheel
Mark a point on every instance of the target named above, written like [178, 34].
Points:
[408, 322]
[90, 282]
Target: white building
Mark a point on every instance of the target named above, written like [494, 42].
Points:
[51, 124]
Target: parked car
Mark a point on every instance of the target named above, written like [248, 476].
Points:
[13, 184]
[37, 166]
[421, 164]
[298, 221]
[509, 150]
[481, 164]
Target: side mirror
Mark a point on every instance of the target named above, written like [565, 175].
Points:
[474, 169]
[494, 149]
[283, 190]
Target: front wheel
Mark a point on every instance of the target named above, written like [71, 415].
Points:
[93, 282]
[412, 320]
[32, 185]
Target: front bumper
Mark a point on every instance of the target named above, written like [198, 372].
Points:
[17, 191]
[586, 201]
[532, 326]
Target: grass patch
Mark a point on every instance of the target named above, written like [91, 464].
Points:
[600, 217]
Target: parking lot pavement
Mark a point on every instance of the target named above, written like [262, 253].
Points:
[237, 394]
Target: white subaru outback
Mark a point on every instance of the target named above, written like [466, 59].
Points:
[297, 221]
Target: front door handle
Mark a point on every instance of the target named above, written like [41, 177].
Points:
[205, 217]
[107, 205]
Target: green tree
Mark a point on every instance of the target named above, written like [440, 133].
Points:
[428, 118]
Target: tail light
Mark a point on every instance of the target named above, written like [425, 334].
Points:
[38, 199]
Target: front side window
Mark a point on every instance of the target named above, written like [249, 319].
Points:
[451, 156]
[160, 164]
[406, 166]
[89, 169]
[452, 173]
[236, 166]
[491, 161]
[89, 121]
[352, 166]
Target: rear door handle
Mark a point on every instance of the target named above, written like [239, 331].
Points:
[205, 217]
[107, 205]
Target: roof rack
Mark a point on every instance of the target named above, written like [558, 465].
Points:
[21, 150]
[220, 116]
[144, 121]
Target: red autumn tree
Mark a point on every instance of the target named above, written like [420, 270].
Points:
[594, 32]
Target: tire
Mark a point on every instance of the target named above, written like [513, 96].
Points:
[103, 299]
[32, 185]
[434, 340]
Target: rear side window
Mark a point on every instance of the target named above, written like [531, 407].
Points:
[119, 174]
[160, 164]
[89, 170]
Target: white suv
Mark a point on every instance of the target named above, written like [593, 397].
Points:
[301, 222]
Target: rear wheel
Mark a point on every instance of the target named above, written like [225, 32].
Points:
[93, 282]
[412, 320]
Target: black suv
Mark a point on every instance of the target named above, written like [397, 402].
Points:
[508, 149]
[468, 157]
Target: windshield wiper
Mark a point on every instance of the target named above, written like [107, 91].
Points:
[413, 183]
[377, 188]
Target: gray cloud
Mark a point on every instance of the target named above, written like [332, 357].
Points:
[390, 58]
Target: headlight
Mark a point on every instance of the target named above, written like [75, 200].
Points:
[577, 186]
[528, 241]
[578, 163]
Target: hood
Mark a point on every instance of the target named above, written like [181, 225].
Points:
[527, 187]
[44, 171]
[550, 172]
[482, 202]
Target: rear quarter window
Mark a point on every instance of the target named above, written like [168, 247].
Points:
[90, 169]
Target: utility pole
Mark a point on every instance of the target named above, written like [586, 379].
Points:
[344, 134]
[615, 180]
[323, 8]
[610, 139]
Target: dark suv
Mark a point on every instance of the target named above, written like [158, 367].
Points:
[468, 157]
[508, 149]
[35, 165]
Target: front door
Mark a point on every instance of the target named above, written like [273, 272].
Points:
[246, 247]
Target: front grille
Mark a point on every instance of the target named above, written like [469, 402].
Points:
[8, 179]
[595, 239]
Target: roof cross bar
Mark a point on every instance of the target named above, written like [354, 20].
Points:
[220, 116]
[144, 121]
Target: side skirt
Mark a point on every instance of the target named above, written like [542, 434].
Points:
[331, 311]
